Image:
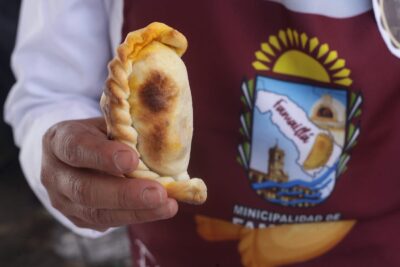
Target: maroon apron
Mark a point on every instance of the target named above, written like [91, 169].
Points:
[296, 120]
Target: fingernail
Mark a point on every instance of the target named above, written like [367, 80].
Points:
[151, 196]
[123, 160]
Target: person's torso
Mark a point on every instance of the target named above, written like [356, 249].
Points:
[295, 122]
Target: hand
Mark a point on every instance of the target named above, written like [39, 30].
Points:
[82, 172]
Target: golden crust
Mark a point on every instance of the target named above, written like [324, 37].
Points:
[147, 105]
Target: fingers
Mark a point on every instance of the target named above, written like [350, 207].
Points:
[102, 201]
[81, 170]
[97, 190]
[83, 144]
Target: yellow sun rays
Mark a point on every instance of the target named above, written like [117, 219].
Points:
[296, 54]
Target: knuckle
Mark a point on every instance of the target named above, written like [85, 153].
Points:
[70, 149]
[135, 217]
[48, 137]
[57, 204]
[76, 148]
[49, 182]
[91, 215]
[80, 190]
[97, 216]
[45, 178]
[124, 197]
[71, 142]
[95, 159]
[64, 138]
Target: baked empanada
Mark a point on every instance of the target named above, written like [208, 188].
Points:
[147, 105]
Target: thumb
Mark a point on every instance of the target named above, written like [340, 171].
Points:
[73, 144]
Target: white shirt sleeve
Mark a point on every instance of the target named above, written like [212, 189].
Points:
[60, 63]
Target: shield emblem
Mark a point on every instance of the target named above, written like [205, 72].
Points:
[297, 136]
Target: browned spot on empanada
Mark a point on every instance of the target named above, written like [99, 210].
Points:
[158, 93]
[155, 140]
[157, 137]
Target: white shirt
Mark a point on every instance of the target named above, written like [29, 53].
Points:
[60, 63]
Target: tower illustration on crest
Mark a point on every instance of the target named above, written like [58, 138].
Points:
[276, 164]
[275, 171]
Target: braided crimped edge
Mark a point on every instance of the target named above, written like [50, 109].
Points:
[116, 109]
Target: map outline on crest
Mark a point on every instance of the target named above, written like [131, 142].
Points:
[295, 181]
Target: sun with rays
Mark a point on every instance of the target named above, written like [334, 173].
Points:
[295, 54]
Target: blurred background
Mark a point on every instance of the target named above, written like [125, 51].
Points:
[29, 236]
